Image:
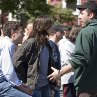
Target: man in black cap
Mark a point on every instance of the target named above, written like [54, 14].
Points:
[84, 61]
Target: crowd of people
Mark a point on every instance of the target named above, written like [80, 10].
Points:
[37, 60]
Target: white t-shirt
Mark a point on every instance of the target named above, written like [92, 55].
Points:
[66, 49]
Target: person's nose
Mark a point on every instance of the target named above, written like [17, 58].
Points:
[79, 17]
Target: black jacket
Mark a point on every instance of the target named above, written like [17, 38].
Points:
[26, 61]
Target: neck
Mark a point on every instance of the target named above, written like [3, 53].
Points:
[53, 39]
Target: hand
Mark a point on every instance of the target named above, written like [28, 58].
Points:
[25, 89]
[54, 76]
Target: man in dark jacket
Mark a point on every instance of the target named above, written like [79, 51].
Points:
[84, 61]
[55, 35]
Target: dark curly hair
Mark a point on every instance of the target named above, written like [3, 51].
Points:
[41, 25]
[10, 26]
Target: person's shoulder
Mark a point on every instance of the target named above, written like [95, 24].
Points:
[49, 43]
[62, 42]
[89, 30]
[30, 40]
[27, 44]
[6, 42]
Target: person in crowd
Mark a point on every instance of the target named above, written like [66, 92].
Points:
[74, 32]
[28, 31]
[55, 35]
[84, 61]
[31, 60]
[10, 85]
[66, 33]
[66, 48]
[67, 30]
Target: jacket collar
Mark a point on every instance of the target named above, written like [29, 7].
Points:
[91, 23]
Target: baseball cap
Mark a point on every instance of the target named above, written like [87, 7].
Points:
[90, 4]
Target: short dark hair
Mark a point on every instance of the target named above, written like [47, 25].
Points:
[56, 28]
[10, 26]
[89, 11]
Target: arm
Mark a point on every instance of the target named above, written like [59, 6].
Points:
[21, 59]
[23, 54]
[83, 49]
[58, 73]
[7, 66]
[20, 63]
[9, 72]
[81, 57]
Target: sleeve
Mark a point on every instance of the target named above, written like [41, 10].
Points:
[7, 67]
[21, 59]
[83, 50]
[20, 56]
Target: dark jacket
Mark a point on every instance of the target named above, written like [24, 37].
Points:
[54, 58]
[54, 61]
[26, 61]
[85, 58]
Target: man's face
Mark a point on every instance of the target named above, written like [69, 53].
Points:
[18, 37]
[84, 17]
[66, 34]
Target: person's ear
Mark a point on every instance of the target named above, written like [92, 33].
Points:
[91, 15]
[12, 34]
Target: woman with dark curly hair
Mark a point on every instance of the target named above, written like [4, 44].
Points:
[31, 60]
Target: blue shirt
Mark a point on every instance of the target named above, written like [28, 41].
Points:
[7, 48]
[43, 69]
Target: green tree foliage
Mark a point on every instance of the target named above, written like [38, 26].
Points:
[9, 5]
[36, 7]
[25, 9]
[61, 14]
[32, 7]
